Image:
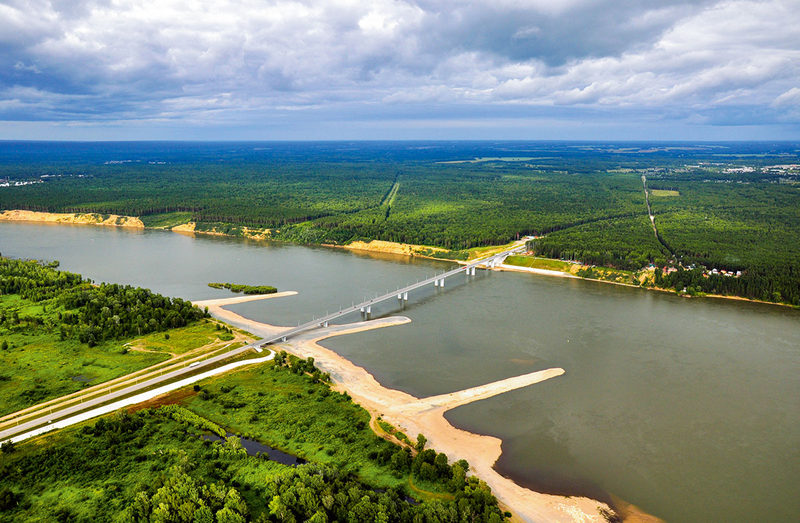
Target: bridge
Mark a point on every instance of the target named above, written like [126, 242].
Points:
[400, 294]
[21, 427]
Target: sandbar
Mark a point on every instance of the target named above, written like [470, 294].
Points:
[414, 416]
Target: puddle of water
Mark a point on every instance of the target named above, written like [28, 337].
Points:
[253, 448]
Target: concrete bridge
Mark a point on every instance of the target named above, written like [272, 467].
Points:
[401, 294]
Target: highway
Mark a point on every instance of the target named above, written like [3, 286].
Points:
[121, 393]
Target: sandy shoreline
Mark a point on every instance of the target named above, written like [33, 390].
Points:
[110, 220]
[426, 415]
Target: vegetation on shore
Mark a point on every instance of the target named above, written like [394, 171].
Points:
[245, 289]
[587, 201]
[153, 464]
[59, 332]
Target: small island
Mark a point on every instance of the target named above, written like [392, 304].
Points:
[246, 289]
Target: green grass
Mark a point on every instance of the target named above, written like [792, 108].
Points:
[539, 263]
[181, 340]
[94, 471]
[664, 192]
[289, 412]
[166, 220]
[38, 365]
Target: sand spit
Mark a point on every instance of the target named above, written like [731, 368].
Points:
[109, 220]
[255, 327]
[426, 416]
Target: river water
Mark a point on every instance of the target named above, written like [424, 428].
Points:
[688, 408]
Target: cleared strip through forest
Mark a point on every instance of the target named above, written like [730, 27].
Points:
[388, 198]
[653, 217]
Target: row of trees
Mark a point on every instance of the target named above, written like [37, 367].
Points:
[779, 284]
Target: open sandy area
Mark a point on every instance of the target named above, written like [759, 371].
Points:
[425, 416]
[113, 220]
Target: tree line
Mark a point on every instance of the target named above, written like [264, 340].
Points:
[86, 311]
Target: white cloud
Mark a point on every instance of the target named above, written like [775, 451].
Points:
[179, 59]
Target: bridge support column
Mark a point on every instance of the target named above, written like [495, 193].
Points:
[400, 297]
[435, 283]
[441, 282]
[283, 339]
[369, 309]
[362, 310]
[405, 296]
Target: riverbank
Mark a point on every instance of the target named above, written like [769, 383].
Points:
[107, 220]
[373, 246]
[414, 415]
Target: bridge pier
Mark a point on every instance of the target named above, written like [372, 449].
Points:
[405, 296]
[441, 283]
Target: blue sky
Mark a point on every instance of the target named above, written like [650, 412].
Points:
[383, 69]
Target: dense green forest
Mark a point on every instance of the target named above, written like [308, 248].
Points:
[725, 206]
[89, 312]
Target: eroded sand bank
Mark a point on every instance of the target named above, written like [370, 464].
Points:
[110, 220]
[425, 416]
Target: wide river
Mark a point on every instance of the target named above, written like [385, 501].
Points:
[689, 409]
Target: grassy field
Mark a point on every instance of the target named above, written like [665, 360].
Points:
[38, 365]
[166, 220]
[536, 262]
[592, 273]
[664, 193]
[290, 412]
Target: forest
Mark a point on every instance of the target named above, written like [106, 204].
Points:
[153, 464]
[585, 202]
[91, 313]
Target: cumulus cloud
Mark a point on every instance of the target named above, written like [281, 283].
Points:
[96, 60]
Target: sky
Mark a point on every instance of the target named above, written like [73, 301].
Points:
[406, 69]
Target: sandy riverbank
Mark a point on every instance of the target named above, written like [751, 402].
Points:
[426, 416]
[108, 220]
